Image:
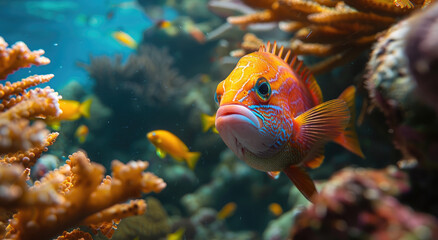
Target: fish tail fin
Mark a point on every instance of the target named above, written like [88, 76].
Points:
[348, 139]
[84, 109]
[206, 124]
[192, 158]
[82, 139]
[302, 181]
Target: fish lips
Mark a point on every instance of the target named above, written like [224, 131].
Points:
[239, 128]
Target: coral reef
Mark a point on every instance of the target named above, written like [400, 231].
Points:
[361, 204]
[393, 90]
[147, 76]
[76, 193]
[337, 30]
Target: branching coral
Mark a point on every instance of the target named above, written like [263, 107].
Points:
[77, 194]
[338, 30]
[148, 76]
[19, 56]
[19, 140]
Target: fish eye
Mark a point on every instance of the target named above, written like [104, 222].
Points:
[263, 88]
[217, 98]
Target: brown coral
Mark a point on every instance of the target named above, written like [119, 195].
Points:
[77, 194]
[337, 30]
[19, 140]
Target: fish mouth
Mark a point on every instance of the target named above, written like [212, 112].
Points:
[239, 113]
[239, 128]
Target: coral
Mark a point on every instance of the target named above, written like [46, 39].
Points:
[153, 224]
[20, 141]
[75, 234]
[336, 30]
[394, 91]
[76, 194]
[147, 75]
[19, 56]
[360, 204]
[421, 50]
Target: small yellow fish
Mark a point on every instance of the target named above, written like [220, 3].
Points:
[82, 133]
[208, 122]
[124, 39]
[166, 142]
[403, 3]
[177, 235]
[275, 209]
[227, 211]
[71, 110]
[163, 23]
[205, 78]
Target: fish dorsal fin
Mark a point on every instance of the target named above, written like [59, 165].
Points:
[304, 74]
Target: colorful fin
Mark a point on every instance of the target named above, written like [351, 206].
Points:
[192, 158]
[315, 157]
[207, 122]
[302, 181]
[298, 67]
[348, 139]
[82, 139]
[84, 109]
[316, 162]
[321, 123]
[55, 125]
[160, 153]
[274, 174]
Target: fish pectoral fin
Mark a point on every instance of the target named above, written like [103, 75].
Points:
[160, 153]
[315, 157]
[274, 174]
[321, 123]
[302, 181]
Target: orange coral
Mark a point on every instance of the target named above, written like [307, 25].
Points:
[338, 30]
[19, 140]
[19, 56]
[82, 196]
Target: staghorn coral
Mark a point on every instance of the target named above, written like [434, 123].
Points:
[336, 30]
[19, 56]
[360, 204]
[20, 141]
[78, 194]
[147, 75]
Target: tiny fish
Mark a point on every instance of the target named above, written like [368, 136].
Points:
[227, 211]
[177, 235]
[166, 142]
[272, 116]
[81, 133]
[275, 209]
[124, 39]
[163, 23]
[71, 110]
[208, 122]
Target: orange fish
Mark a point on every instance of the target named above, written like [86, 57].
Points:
[196, 34]
[167, 143]
[163, 23]
[275, 209]
[71, 110]
[124, 39]
[81, 133]
[272, 116]
[227, 211]
[403, 3]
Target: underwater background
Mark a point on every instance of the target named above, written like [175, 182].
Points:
[125, 69]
